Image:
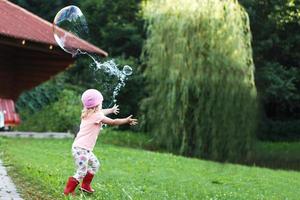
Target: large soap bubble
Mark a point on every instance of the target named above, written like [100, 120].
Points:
[69, 26]
[68, 23]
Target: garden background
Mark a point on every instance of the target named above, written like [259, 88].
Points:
[119, 28]
[129, 30]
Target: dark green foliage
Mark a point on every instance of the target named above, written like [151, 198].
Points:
[280, 130]
[115, 25]
[133, 92]
[280, 86]
[44, 8]
[35, 99]
[60, 116]
[202, 94]
[276, 46]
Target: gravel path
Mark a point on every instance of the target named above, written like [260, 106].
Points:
[36, 135]
[8, 189]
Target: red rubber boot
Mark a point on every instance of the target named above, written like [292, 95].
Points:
[71, 186]
[86, 183]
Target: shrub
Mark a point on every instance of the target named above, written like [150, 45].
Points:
[279, 93]
[280, 130]
[36, 99]
[60, 116]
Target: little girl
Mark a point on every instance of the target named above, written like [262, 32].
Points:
[92, 118]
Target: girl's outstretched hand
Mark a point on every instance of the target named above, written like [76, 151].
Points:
[115, 109]
[131, 121]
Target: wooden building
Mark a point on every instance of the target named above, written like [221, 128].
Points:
[29, 54]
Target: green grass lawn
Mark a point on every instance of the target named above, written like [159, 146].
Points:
[41, 167]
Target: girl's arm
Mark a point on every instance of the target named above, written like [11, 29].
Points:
[114, 109]
[115, 122]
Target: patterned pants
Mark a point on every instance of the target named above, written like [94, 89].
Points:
[85, 161]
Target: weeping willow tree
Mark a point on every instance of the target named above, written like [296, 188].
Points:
[202, 96]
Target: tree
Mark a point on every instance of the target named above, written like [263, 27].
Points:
[276, 47]
[45, 9]
[275, 25]
[115, 25]
[202, 98]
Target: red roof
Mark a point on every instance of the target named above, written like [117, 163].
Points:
[16, 22]
[7, 107]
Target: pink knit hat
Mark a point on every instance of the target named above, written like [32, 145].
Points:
[91, 98]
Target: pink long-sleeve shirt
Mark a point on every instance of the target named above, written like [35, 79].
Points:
[89, 131]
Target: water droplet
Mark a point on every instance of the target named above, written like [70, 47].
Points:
[127, 70]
